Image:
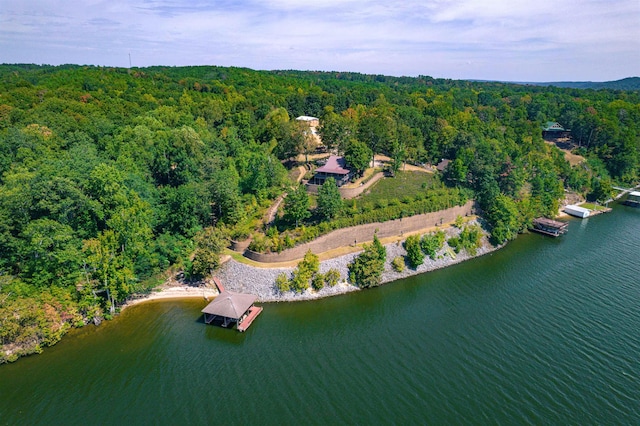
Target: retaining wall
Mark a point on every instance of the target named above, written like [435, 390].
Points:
[364, 233]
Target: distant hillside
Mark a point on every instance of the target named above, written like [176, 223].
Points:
[629, 83]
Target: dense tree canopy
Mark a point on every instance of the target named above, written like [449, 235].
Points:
[109, 176]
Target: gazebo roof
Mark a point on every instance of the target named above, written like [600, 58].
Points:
[335, 165]
[229, 304]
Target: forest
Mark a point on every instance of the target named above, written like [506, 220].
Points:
[112, 179]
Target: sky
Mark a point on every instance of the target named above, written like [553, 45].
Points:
[506, 40]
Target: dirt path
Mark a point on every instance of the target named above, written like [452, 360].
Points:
[270, 216]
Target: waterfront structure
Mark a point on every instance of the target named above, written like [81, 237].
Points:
[230, 308]
[550, 227]
[335, 167]
[577, 211]
[633, 199]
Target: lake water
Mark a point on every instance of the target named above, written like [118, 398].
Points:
[544, 331]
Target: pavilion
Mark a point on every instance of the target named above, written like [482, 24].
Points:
[229, 308]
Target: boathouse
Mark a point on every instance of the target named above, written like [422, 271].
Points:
[230, 308]
[633, 199]
[550, 227]
[577, 211]
[335, 167]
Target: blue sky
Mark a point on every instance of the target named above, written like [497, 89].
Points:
[514, 40]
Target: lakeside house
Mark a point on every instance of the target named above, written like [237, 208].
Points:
[335, 167]
[554, 130]
[309, 121]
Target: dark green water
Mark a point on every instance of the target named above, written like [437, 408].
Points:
[545, 331]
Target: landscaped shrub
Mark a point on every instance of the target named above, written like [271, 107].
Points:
[398, 264]
[331, 277]
[432, 243]
[282, 283]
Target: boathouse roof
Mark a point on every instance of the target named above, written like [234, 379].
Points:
[230, 305]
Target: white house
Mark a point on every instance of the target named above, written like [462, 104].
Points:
[577, 211]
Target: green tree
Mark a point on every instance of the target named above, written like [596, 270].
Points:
[296, 204]
[415, 257]
[329, 200]
[210, 242]
[357, 154]
[366, 269]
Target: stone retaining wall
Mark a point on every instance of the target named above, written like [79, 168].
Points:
[364, 233]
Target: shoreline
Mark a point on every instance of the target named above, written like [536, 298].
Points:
[242, 278]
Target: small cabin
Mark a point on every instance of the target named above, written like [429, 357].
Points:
[577, 211]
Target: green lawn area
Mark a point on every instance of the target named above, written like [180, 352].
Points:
[592, 206]
[404, 184]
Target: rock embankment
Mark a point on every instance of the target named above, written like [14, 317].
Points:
[243, 278]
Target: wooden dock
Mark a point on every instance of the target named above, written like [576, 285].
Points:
[245, 323]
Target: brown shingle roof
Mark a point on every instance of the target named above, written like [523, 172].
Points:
[335, 165]
[229, 304]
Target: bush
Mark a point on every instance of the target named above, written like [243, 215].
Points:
[282, 283]
[332, 277]
[415, 257]
[432, 243]
[398, 264]
[318, 281]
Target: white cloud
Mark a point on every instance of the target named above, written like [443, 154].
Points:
[499, 39]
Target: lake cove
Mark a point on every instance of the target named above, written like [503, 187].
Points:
[543, 331]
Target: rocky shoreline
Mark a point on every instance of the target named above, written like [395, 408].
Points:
[243, 278]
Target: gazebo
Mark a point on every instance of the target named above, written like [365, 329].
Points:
[229, 308]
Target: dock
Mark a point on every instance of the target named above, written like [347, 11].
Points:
[252, 314]
[229, 308]
[553, 228]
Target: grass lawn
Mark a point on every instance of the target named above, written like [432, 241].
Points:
[405, 183]
[592, 206]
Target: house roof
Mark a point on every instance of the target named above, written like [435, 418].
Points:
[335, 165]
[443, 164]
[306, 118]
[229, 304]
[554, 127]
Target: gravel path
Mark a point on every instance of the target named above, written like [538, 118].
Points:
[243, 278]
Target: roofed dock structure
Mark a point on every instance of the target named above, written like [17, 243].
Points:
[230, 308]
[549, 227]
